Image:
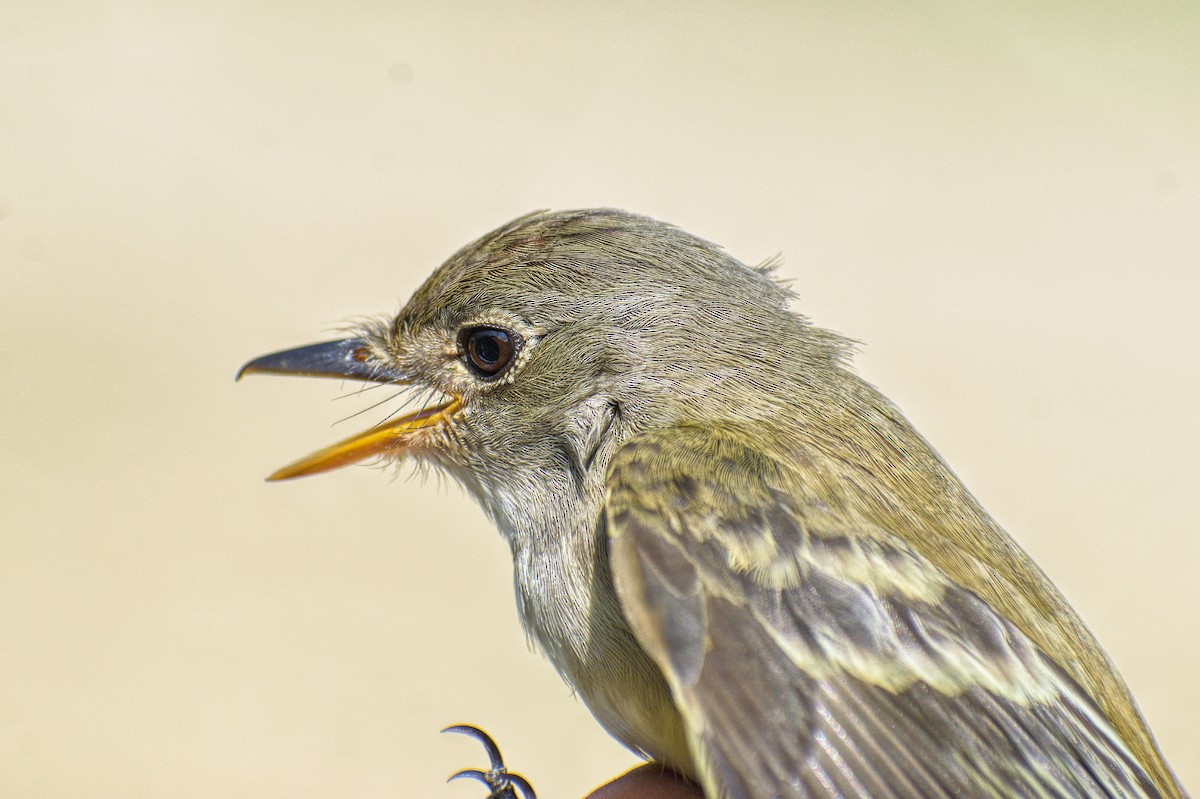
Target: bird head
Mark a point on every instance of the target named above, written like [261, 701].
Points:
[534, 351]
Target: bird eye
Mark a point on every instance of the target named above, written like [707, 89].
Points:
[488, 350]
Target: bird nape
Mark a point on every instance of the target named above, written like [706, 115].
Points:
[741, 555]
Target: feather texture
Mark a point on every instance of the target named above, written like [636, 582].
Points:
[812, 653]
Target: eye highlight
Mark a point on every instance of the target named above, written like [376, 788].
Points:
[488, 350]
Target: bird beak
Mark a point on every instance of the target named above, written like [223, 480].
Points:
[349, 359]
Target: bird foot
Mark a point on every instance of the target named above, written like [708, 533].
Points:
[497, 778]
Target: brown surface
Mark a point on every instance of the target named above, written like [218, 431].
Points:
[1002, 204]
[647, 782]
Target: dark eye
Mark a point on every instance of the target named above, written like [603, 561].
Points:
[489, 349]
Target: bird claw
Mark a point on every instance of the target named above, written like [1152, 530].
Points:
[497, 778]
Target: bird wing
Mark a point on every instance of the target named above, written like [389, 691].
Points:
[813, 654]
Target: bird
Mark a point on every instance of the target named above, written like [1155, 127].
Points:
[740, 554]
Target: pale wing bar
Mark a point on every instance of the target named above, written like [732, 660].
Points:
[836, 677]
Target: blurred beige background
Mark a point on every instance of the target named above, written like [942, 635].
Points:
[1001, 200]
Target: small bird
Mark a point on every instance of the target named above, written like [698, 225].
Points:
[742, 556]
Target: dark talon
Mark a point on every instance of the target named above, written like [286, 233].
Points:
[493, 751]
[470, 773]
[496, 778]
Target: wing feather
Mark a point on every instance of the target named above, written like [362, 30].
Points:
[812, 654]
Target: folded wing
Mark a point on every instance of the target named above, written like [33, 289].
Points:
[813, 654]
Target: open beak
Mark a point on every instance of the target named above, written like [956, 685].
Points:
[349, 359]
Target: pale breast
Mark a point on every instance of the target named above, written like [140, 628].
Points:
[568, 605]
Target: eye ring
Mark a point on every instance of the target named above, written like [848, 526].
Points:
[488, 351]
